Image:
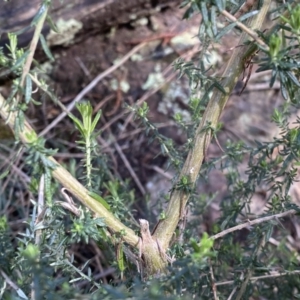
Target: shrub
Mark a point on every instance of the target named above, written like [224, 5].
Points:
[37, 265]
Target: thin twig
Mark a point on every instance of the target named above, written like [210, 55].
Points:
[33, 44]
[213, 283]
[161, 171]
[255, 278]
[101, 275]
[99, 255]
[149, 93]
[232, 293]
[250, 270]
[253, 222]
[15, 158]
[130, 169]
[12, 284]
[69, 155]
[246, 29]
[103, 102]
[40, 206]
[287, 245]
[245, 8]
[138, 103]
[45, 90]
[90, 86]
[83, 67]
[124, 135]
[69, 203]
[23, 177]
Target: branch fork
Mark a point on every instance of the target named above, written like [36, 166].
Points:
[154, 256]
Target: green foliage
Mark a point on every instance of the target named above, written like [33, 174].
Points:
[120, 200]
[86, 128]
[293, 22]
[40, 260]
[166, 145]
[184, 184]
[202, 250]
[85, 228]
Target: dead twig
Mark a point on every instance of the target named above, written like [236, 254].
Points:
[90, 86]
[40, 207]
[12, 284]
[246, 29]
[103, 102]
[35, 39]
[15, 158]
[69, 204]
[149, 93]
[255, 278]
[97, 257]
[253, 222]
[130, 169]
[160, 171]
[287, 245]
[14, 169]
[83, 67]
[232, 293]
[213, 283]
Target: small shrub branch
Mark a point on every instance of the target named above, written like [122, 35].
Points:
[246, 29]
[34, 42]
[70, 183]
[253, 222]
[166, 228]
